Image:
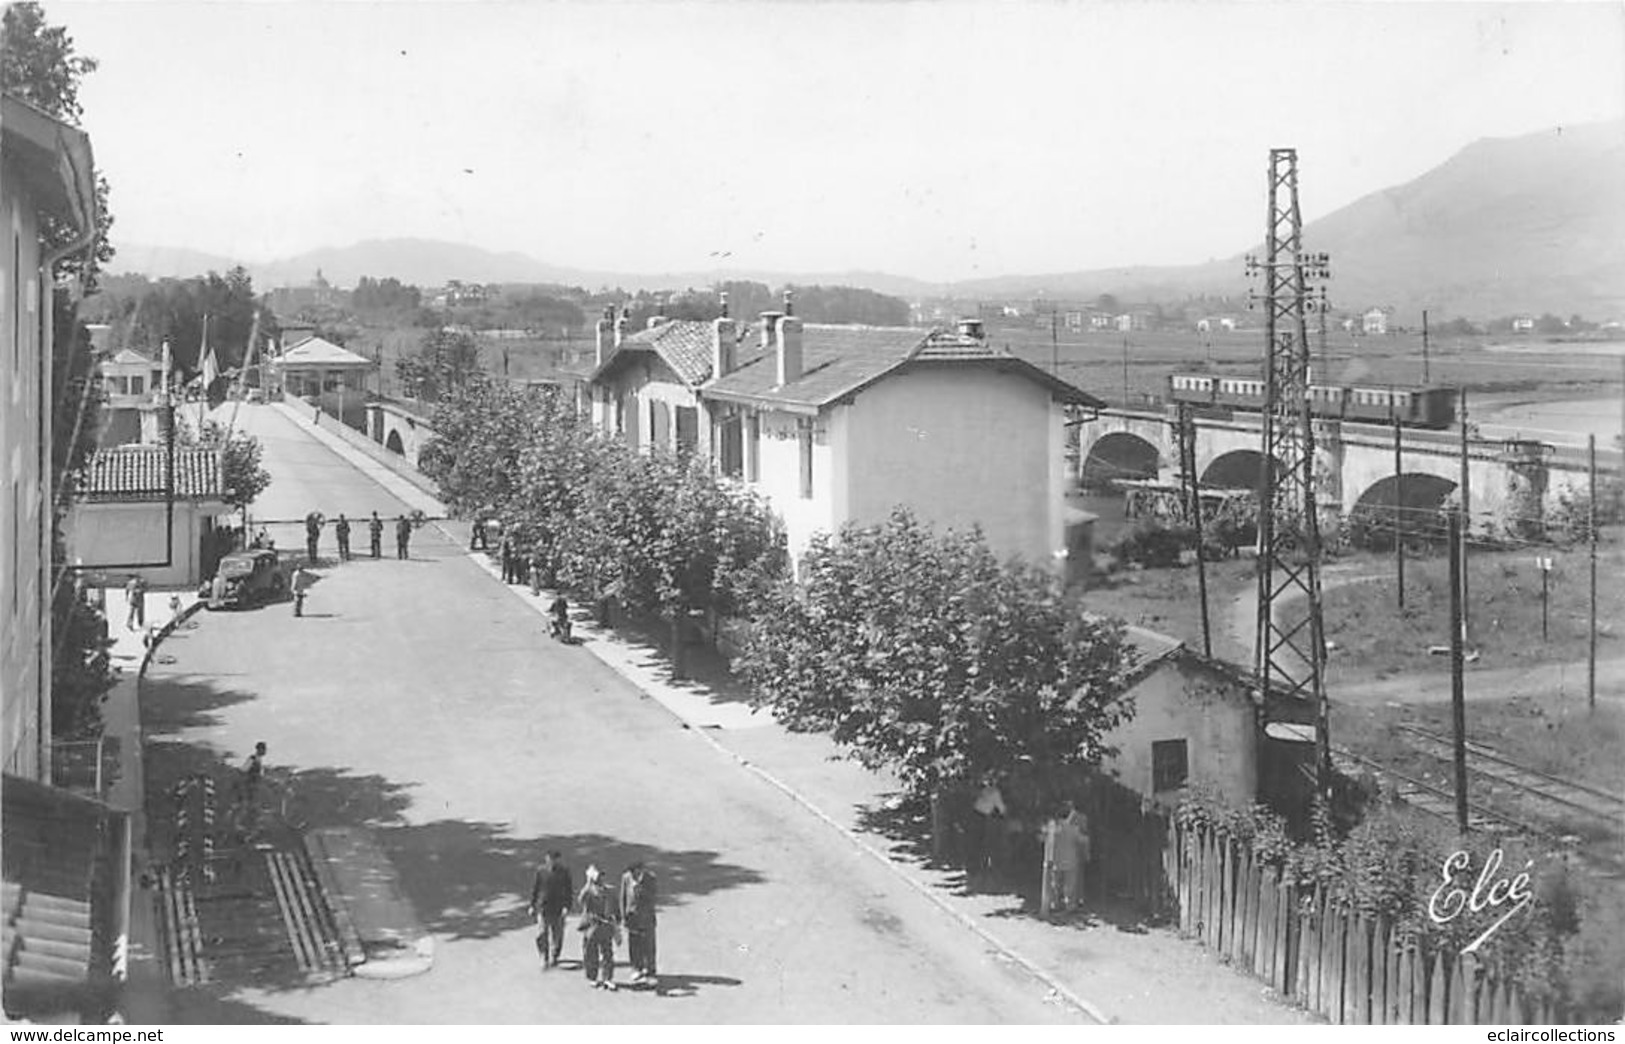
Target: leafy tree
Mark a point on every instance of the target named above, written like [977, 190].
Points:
[447, 360]
[244, 475]
[38, 64]
[925, 654]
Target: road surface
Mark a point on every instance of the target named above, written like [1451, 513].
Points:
[421, 699]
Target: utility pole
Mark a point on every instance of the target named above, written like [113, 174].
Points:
[1424, 346]
[1054, 344]
[1125, 373]
[1466, 518]
[1193, 508]
[1544, 563]
[1290, 651]
[1399, 521]
[1458, 695]
[1591, 529]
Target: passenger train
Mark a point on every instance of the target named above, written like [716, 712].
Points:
[1412, 407]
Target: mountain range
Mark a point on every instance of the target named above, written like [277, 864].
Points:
[1534, 224]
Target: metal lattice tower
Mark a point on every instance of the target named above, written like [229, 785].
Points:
[1290, 652]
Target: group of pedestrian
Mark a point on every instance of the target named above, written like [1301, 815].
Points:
[605, 915]
[316, 521]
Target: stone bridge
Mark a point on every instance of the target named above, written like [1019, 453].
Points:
[1510, 485]
[399, 427]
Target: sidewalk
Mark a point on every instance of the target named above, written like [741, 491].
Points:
[1113, 974]
[146, 992]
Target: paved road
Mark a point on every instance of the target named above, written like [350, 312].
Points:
[420, 698]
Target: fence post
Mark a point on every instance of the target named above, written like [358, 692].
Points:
[1281, 972]
[1357, 974]
[1264, 954]
[1379, 971]
[1438, 989]
[1210, 924]
[1308, 949]
[1459, 1010]
[1331, 963]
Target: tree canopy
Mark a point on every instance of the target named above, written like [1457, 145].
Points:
[925, 654]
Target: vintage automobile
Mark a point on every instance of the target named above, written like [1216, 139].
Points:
[249, 577]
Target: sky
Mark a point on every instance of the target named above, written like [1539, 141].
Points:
[936, 140]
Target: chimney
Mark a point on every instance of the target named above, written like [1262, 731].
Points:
[723, 338]
[770, 329]
[722, 296]
[606, 335]
[789, 301]
[788, 342]
[620, 327]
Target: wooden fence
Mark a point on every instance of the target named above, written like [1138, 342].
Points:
[1333, 960]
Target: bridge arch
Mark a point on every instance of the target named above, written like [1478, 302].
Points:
[393, 443]
[1420, 499]
[1119, 455]
[1238, 469]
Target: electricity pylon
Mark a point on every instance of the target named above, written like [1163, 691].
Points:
[1290, 649]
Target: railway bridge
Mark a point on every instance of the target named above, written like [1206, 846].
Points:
[1512, 484]
[398, 427]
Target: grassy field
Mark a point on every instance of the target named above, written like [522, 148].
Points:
[1095, 361]
[1557, 736]
[1376, 639]
[1165, 600]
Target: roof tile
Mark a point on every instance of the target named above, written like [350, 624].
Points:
[140, 473]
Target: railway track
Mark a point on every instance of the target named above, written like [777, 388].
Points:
[1426, 797]
[1572, 798]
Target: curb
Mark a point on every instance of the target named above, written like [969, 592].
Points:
[1027, 964]
[163, 632]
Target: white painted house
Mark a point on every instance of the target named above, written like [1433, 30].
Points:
[841, 424]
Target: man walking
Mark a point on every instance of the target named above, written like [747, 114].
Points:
[507, 558]
[375, 530]
[135, 593]
[638, 914]
[403, 535]
[313, 534]
[598, 929]
[341, 529]
[550, 897]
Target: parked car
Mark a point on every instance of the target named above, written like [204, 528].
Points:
[250, 577]
[254, 395]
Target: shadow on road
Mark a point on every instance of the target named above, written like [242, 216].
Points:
[464, 878]
[472, 880]
[688, 985]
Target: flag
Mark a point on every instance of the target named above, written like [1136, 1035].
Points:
[211, 369]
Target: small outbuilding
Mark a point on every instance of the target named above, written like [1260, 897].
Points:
[130, 518]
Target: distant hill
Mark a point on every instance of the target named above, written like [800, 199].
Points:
[1528, 224]
[160, 262]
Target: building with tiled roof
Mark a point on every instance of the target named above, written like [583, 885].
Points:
[315, 366]
[123, 520]
[837, 424]
[1196, 721]
[142, 473]
[645, 385]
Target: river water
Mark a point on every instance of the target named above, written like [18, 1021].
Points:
[1562, 421]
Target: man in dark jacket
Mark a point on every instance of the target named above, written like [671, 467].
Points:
[403, 536]
[341, 529]
[638, 915]
[375, 531]
[550, 899]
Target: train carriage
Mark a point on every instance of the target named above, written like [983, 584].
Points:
[1417, 407]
